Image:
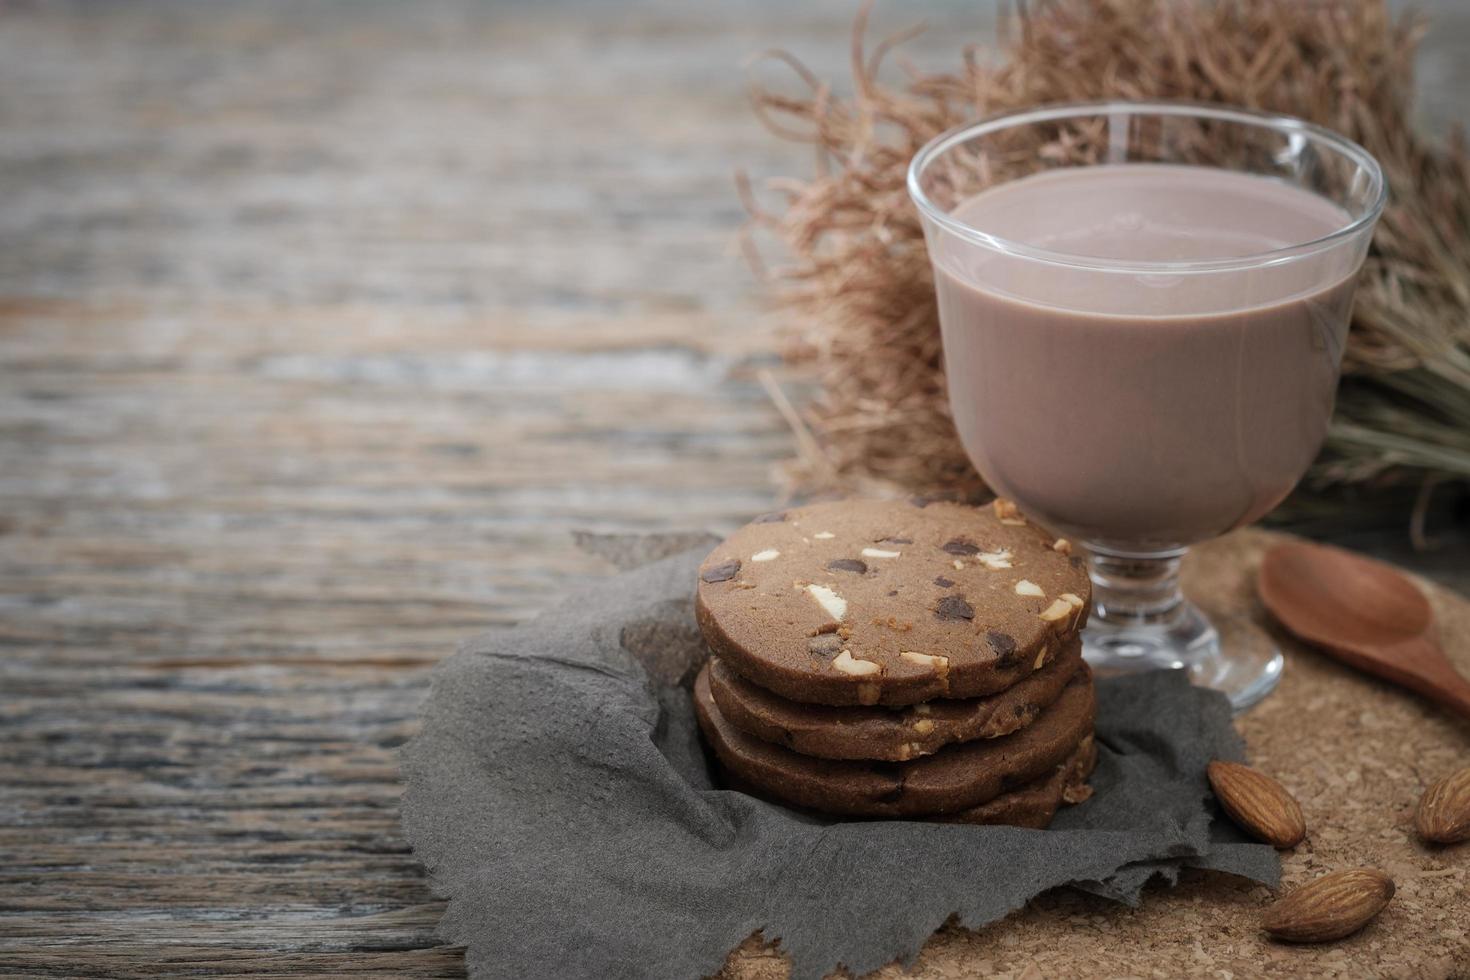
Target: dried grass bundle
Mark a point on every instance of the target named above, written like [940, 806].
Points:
[859, 285]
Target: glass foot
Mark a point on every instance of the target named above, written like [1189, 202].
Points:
[1189, 642]
[1141, 621]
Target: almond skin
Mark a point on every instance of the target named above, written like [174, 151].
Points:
[1333, 906]
[1444, 810]
[1258, 804]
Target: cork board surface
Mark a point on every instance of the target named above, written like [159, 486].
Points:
[1356, 753]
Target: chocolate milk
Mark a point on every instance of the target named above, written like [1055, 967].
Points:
[1144, 411]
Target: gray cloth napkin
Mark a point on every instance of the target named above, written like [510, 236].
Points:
[560, 796]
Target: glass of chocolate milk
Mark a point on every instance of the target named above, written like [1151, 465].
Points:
[1144, 307]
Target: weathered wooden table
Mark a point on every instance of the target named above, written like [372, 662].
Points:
[321, 327]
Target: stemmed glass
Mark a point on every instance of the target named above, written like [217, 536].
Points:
[1143, 308]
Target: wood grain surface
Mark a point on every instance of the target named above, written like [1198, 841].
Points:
[322, 327]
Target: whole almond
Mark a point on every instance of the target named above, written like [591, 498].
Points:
[1444, 809]
[1259, 804]
[1333, 906]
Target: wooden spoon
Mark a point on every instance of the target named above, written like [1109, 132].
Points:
[1365, 614]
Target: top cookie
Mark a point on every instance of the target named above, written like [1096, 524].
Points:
[889, 602]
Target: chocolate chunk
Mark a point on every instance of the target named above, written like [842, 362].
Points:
[847, 565]
[919, 500]
[774, 517]
[959, 546]
[827, 645]
[723, 572]
[1004, 646]
[954, 607]
[894, 592]
[943, 582]
[1075, 561]
[895, 541]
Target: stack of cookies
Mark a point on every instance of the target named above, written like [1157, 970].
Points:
[898, 659]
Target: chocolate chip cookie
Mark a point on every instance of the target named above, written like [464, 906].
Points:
[960, 777]
[863, 602]
[894, 734]
[1034, 804]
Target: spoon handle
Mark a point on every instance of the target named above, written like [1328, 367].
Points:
[1421, 666]
[1457, 697]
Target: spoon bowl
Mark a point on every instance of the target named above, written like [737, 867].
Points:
[1362, 612]
[1328, 594]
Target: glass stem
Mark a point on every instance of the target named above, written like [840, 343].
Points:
[1141, 621]
[1136, 591]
